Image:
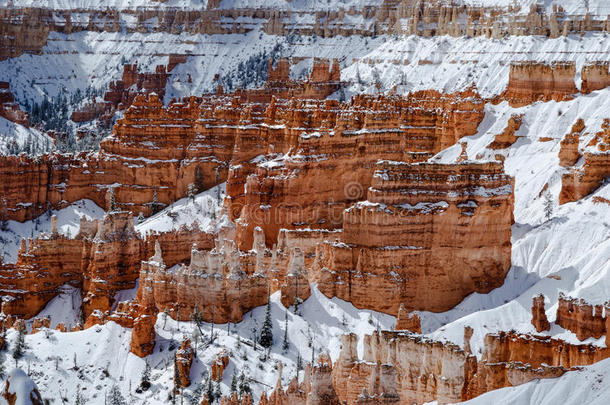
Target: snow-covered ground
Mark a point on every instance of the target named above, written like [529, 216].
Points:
[587, 386]
[204, 210]
[98, 358]
[569, 252]
[192, 4]
[78, 60]
[68, 223]
[16, 133]
[595, 7]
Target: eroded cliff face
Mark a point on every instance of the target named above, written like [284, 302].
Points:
[101, 259]
[404, 368]
[9, 109]
[531, 81]
[27, 29]
[340, 141]
[595, 76]
[568, 151]
[580, 181]
[221, 284]
[584, 319]
[428, 235]
[156, 152]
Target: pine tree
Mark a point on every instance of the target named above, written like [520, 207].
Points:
[3, 337]
[209, 391]
[115, 397]
[217, 390]
[244, 385]
[548, 205]
[112, 202]
[233, 384]
[285, 344]
[199, 180]
[176, 374]
[19, 344]
[145, 383]
[79, 400]
[155, 203]
[191, 191]
[266, 339]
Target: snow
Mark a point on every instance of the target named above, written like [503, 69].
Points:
[569, 252]
[68, 223]
[21, 386]
[201, 210]
[10, 131]
[64, 308]
[587, 386]
[192, 4]
[98, 358]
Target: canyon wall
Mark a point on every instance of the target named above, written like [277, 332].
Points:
[581, 181]
[428, 235]
[9, 109]
[27, 29]
[405, 368]
[584, 319]
[532, 81]
[156, 152]
[103, 258]
[341, 141]
[595, 76]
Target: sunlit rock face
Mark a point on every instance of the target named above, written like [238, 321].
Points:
[428, 235]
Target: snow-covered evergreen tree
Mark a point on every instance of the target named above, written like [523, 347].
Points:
[266, 339]
[19, 348]
[548, 205]
[115, 397]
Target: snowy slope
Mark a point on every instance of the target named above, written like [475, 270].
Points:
[70, 62]
[587, 386]
[202, 210]
[68, 220]
[11, 132]
[595, 7]
[193, 4]
[570, 252]
[98, 358]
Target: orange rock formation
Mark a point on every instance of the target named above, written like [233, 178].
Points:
[581, 181]
[531, 81]
[507, 137]
[9, 109]
[568, 151]
[388, 253]
[585, 320]
[595, 76]
[405, 368]
[219, 365]
[539, 319]
[184, 360]
[345, 140]
[407, 320]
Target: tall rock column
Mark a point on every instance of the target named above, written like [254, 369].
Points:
[539, 319]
